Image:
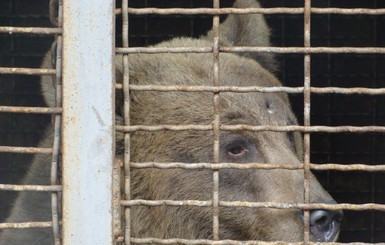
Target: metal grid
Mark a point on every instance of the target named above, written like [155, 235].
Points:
[307, 129]
[216, 127]
[55, 188]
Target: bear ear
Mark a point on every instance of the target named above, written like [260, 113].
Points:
[247, 30]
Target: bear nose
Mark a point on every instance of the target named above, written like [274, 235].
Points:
[325, 224]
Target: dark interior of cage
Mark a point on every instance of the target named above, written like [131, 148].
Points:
[327, 70]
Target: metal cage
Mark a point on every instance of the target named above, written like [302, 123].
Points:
[331, 64]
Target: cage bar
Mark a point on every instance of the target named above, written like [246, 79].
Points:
[248, 89]
[216, 121]
[57, 78]
[231, 242]
[303, 206]
[88, 121]
[319, 167]
[235, 49]
[306, 140]
[277, 10]
[127, 136]
[30, 30]
[246, 127]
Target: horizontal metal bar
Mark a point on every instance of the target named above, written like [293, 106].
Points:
[278, 50]
[153, 203]
[221, 11]
[305, 50]
[6, 187]
[152, 50]
[309, 206]
[30, 30]
[326, 166]
[307, 129]
[348, 11]
[247, 89]
[231, 242]
[347, 167]
[27, 150]
[275, 205]
[27, 71]
[214, 89]
[34, 110]
[355, 90]
[25, 225]
[215, 166]
[164, 128]
[241, 127]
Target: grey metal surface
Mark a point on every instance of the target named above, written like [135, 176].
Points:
[88, 121]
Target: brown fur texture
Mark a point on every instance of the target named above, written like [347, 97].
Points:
[154, 108]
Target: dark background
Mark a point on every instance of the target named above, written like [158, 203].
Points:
[342, 70]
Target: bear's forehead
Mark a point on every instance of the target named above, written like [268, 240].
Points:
[257, 109]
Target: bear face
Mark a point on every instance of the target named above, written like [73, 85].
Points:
[282, 186]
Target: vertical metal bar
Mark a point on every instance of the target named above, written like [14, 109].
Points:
[55, 205]
[126, 94]
[374, 136]
[307, 71]
[216, 123]
[88, 121]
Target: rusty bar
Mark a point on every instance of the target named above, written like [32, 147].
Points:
[348, 11]
[248, 89]
[37, 110]
[355, 90]
[30, 30]
[314, 166]
[116, 198]
[223, 11]
[259, 128]
[25, 225]
[308, 129]
[216, 166]
[216, 121]
[152, 50]
[6, 187]
[349, 167]
[307, 123]
[215, 89]
[306, 50]
[210, 11]
[232, 242]
[278, 50]
[139, 202]
[26, 150]
[27, 71]
[275, 205]
[133, 128]
[57, 78]
[308, 206]
[127, 136]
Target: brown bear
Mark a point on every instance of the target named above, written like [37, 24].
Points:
[179, 108]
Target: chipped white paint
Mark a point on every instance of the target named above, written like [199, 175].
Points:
[88, 133]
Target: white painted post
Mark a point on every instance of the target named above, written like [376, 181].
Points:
[88, 132]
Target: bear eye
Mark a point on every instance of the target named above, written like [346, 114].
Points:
[239, 150]
[236, 151]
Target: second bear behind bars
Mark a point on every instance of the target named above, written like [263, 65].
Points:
[154, 108]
